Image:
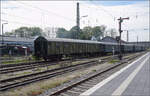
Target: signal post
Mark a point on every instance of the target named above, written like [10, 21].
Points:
[120, 31]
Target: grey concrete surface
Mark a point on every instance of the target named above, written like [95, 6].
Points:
[139, 85]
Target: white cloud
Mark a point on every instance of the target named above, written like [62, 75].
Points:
[63, 14]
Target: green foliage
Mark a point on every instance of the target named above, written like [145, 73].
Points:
[15, 61]
[8, 33]
[98, 31]
[94, 70]
[22, 31]
[74, 34]
[85, 34]
[26, 32]
[113, 61]
[35, 31]
[62, 33]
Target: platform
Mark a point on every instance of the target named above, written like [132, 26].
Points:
[132, 80]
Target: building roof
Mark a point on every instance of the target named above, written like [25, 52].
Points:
[109, 39]
[16, 39]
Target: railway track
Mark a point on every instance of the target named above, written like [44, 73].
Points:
[20, 64]
[26, 66]
[79, 86]
[30, 78]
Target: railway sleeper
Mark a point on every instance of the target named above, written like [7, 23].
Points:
[82, 87]
[74, 92]
[94, 80]
[78, 90]
[71, 93]
[93, 83]
[97, 79]
[63, 94]
[87, 85]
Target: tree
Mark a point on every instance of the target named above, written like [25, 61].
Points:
[22, 31]
[62, 33]
[74, 34]
[86, 33]
[98, 31]
[35, 31]
[8, 33]
[28, 31]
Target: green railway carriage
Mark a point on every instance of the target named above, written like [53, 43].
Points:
[109, 47]
[40, 46]
[128, 48]
[57, 48]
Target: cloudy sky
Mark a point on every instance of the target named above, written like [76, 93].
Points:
[63, 14]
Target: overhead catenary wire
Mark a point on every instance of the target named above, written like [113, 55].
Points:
[46, 11]
[25, 18]
[104, 10]
[17, 22]
[100, 10]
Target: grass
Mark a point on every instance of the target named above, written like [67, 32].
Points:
[94, 70]
[113, 61]
[24, 73]
[15, 61]
[36, 89]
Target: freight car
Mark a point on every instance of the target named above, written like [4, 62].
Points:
[58, 48]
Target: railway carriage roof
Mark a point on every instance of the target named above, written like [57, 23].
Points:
[81, 41]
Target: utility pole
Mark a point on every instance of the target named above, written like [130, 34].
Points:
[149, 34]
[127, 36]
[149, 38]
[137, 39]
[120, 31]
[78, 20]
[3, 32]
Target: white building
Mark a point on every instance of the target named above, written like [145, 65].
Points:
[51, 32]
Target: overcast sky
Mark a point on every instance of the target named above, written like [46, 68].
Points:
[63, 14]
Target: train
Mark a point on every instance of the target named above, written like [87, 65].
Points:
[57, 48]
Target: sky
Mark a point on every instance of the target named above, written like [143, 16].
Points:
[63, 14]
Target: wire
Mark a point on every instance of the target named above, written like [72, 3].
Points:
[4, 20]
[102, 9]
[16, 22]
[19, 16]
[98, 10]
[50, 12]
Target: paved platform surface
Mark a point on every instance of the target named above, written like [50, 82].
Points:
[132, 80]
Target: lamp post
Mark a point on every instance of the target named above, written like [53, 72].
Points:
[3, 32]
[127, 35]
[83, 17]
